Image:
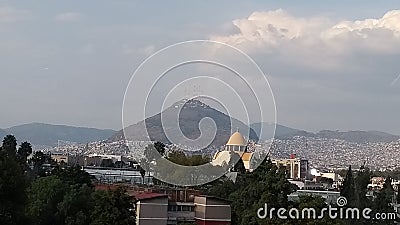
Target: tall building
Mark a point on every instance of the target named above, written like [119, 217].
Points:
[161, 209]
[295, 168]
[173, 206]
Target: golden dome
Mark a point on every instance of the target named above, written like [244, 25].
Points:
[237, 139]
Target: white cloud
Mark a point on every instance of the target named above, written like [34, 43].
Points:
[69, 17]
[390, 21]
[10, 14]
[280, 31]
[270, 28]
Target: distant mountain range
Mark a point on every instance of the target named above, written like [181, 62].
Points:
[48, 134]
[191, 113]
[283, 132]
[359, 136]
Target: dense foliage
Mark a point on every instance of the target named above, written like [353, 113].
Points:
[268, 184]
[38, 192]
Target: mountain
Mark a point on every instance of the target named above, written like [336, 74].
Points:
[281, 132]
[284, 132]
[191, 113]
[358, 136]
[48, 134]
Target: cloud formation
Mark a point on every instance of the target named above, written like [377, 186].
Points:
[323, 69]
[268, 31]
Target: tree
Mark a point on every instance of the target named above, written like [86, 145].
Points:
[144, 167]
[150, 153]
[76, 205]
[10, 145]
[73, 175]
[385, 196]
[112, 207]
[221, 188]
[383, 199]
[361, 181]
[154, 152]
[239, 166]
[12, 187]
[24, 150]
[64, 197]
[160, 147]
[266, 184]
[44, 196]
[348, 190]
[142, 173]
[179, 157]
[38, 160]
[12, 184]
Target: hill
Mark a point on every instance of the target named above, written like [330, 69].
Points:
[281, 132]
[284, 133]
[358, 136]
[191, 113]
[48, 134]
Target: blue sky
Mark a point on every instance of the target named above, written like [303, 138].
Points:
[69, 62]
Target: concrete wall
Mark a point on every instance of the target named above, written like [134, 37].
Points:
[152, 211]
[209, 210]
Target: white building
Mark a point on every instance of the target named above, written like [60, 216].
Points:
[236, 145]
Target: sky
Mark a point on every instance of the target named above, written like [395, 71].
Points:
[330, 64]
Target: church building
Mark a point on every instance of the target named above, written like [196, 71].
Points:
[236, 144]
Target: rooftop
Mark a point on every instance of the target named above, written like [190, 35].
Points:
[237, 139]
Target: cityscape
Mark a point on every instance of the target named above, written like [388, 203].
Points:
[312, 169]
[199, 112]
[322, 153]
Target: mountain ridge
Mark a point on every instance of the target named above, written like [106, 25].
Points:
[48, 134]
[190, 114]
[281, 131]
[357, 136]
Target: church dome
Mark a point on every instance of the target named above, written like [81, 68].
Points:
[237, 139]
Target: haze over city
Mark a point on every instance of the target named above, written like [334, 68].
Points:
[330, 66]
